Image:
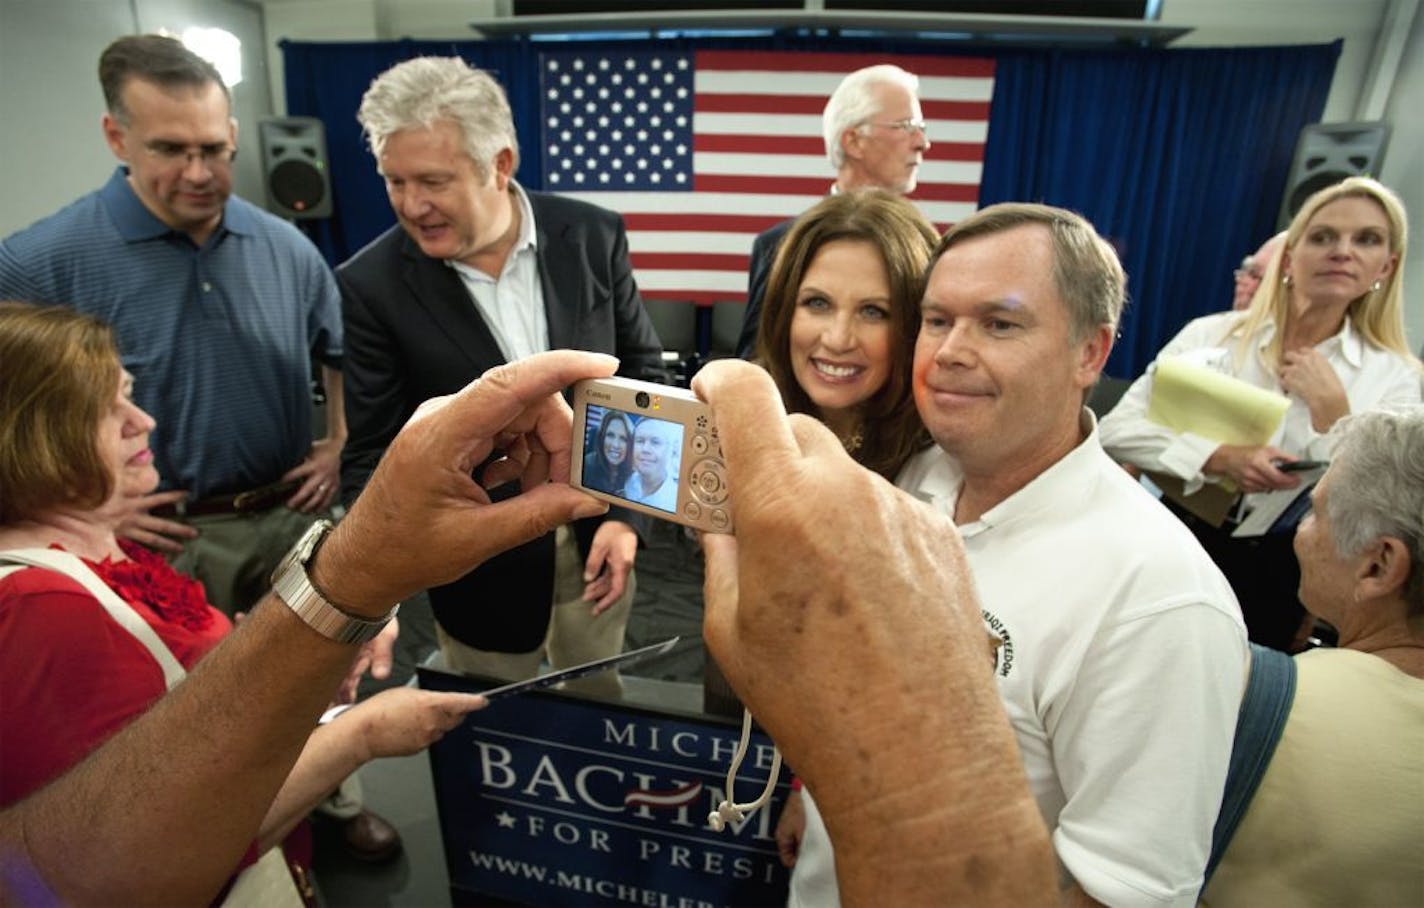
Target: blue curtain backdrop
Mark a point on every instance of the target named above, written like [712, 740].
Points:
[1179, 157]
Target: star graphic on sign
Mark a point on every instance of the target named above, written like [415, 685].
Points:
[506, 819]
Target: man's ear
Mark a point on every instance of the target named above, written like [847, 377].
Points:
[503, 168]
[1093, 355]
[851, 141]
[114, 136]
[1383, 569]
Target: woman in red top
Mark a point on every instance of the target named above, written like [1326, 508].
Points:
[73, 449]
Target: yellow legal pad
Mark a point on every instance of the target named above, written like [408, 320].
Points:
[1187, 397]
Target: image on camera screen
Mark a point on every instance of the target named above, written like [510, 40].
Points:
[636, 458]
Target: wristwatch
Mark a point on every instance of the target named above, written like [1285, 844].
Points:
[294, 587]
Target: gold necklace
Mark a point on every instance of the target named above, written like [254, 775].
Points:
[857, 438]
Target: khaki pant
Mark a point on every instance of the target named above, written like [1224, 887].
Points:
[574, 636]
[235, 554]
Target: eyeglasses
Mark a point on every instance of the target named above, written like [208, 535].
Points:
[1248, 268]
[909, 124]
[215, 154]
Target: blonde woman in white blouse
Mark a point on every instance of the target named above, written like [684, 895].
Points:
[1326, 329]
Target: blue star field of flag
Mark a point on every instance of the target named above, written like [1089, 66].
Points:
[617, 121]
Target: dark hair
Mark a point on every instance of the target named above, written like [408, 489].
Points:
[59, 371]
[159, 59]
[617, 475]
[891, 426]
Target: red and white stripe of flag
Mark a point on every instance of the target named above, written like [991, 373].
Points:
[759, 158]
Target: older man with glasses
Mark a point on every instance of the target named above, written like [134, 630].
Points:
[875, 137]
[220, 309]
[1253, 267]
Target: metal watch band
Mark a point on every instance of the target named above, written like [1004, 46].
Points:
[294, 587]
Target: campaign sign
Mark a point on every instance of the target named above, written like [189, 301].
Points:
[550, 800]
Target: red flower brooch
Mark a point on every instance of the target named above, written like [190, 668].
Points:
[148, 579]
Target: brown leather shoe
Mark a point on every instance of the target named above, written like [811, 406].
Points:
[369, 838]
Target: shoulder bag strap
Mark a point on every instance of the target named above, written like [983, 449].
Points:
[1264, 709]
[130, 620]
[268, 883]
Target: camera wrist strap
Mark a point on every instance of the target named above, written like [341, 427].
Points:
[729, 811]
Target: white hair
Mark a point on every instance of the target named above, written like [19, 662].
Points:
[420, 93]
[1377, 488]
[855, 101]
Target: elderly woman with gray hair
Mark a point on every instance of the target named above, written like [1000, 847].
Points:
[1337, 816]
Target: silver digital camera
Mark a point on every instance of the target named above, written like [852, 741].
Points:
[651, 448]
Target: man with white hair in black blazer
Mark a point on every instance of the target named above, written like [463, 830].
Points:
[479, 272]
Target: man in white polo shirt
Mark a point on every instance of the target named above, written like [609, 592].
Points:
[1123, 653]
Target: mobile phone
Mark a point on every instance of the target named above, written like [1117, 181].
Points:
[651, 448]
[1300, 466]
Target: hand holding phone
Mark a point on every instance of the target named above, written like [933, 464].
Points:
[1300, 466]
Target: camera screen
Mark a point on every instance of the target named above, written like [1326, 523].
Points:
[637, 458]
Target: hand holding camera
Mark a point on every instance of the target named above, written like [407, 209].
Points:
[651, 448]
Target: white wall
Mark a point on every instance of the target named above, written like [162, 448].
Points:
[1361, 24]
[1215, 23]
[1404, 168]
[50, 101]
[364, 20]
[313, 20]
[1224, 23]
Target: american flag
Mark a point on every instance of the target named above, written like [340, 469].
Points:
[702, 151]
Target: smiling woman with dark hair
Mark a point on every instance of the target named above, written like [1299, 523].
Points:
[607, 466]
[837, 333]
[839, 321]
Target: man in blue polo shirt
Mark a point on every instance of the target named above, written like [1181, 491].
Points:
[219, 309]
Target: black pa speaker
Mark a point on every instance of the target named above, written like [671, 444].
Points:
[1327, 153]
[294, 166]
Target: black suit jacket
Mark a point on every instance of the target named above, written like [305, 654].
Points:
[763, 254]
[412, 333]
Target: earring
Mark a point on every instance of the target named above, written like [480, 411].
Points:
[1375, 287]
[1286, 280]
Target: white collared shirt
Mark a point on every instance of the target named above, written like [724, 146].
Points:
[1372, 378]
[1122, 669]
[664, 497]
[512, 306]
